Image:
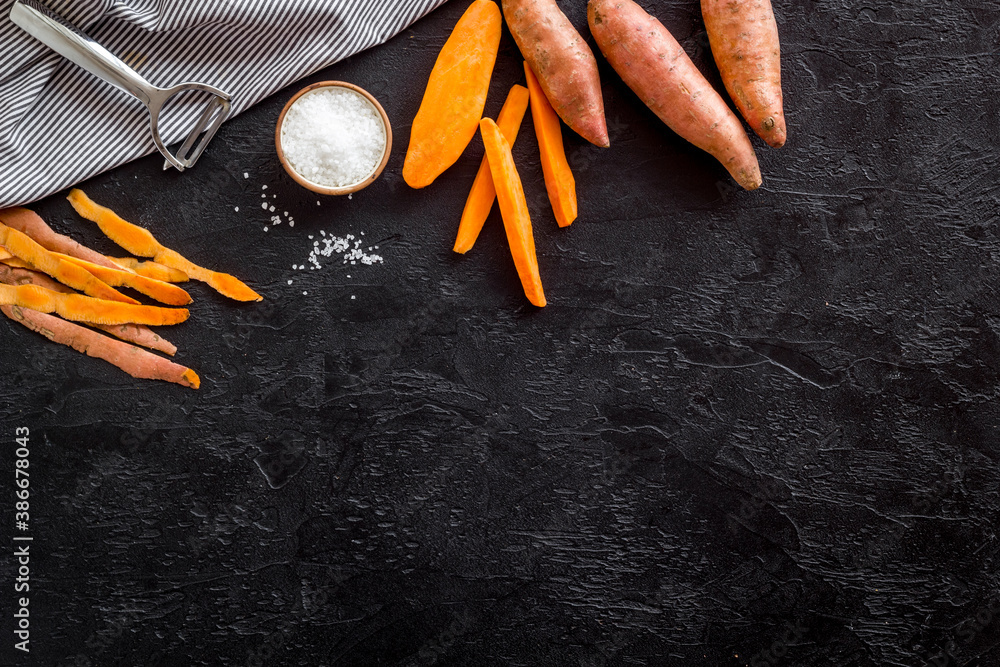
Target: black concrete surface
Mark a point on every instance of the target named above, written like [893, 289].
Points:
[748, 429]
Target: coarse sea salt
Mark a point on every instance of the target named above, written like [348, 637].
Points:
[333, 137]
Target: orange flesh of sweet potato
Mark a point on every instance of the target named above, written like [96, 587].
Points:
[455, 96]
[559, 181]
[744, 39]
[652, 63]
[483, 193]
[513, 210]
[141, 242]
[564, 64]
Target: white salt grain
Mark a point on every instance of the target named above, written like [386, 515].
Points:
[263, 187]
[237, 209]
[333, 137]
[246, 175]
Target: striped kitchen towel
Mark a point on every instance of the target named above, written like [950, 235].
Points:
[60, 125]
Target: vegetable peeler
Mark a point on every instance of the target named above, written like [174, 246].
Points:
[69, 42]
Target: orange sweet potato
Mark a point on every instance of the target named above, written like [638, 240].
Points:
[744, 39]
[513, 210]
[559, 181]
[564, 64]
[455, 96]
[483, 193]
[653, 64]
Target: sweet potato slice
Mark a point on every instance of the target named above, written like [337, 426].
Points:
[513, 210]
[483, 194]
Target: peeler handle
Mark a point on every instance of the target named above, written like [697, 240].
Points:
[69, 42]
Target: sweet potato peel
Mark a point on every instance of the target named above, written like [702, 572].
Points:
[154, 289]
[142, 243]
[151, 270]
[79, 308]
[136, 334]
[27, 222]
[135, 361]
[24, 248]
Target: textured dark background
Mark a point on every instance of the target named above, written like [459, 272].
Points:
[748, 429]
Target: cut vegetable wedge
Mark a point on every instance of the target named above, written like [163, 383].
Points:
[513, 210]
[483, 194]
[559, 181]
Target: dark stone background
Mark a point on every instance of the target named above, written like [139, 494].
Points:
[748, 429]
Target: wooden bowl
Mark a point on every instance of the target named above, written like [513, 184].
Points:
[323, 189]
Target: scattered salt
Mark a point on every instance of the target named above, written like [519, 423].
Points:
[352, 296]
[271, 209]
[263, 187]
[246, 175]
[263, 205]
[237, 209]
[333, 137]
[289, 282]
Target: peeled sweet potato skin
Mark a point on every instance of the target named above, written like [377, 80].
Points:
[744, 39]
[651, 62]
[564, 64]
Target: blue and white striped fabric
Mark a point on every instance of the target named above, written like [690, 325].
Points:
[60, 125]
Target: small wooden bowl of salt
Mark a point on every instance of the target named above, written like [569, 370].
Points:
[333, 138]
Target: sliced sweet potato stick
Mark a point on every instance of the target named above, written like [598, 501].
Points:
[151, 270]
[136, 362]
[81, 308]
[154, 289]
[28, 222]
[141, 242]
[483, 194]
[559, 181]
[513, 210]
[132, 333]
[24, 248]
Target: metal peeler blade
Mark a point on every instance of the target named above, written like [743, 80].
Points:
[69, 42]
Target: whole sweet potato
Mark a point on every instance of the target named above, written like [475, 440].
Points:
[564, 64]
[744, 39]
[654, 65]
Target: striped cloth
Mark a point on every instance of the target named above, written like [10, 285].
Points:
[60, 125]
